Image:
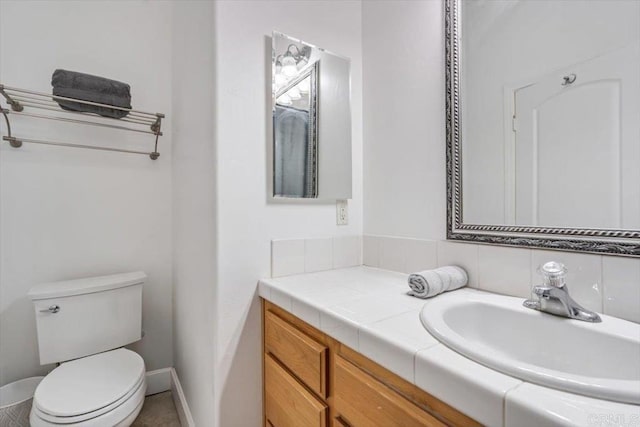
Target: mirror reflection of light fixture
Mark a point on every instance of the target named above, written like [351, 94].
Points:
[288, 64]
[294, 93]
[280, 80]
[303, 62]
[289, 67]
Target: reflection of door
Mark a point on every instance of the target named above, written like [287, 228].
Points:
[577, 145]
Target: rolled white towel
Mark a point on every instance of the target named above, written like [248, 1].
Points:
[429, 283]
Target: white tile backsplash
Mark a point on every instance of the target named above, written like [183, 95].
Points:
[318, 254]
[504, 270]
[621, 281]
[606, 284]
[392, 254]
[297, 256]
[420, 255]
[399, 254]
[371, 251]
[461, 254]
[287, 257]
[347, 251]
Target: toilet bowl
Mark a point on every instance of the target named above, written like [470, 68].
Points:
[106, 389]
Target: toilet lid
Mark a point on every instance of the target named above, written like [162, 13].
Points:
[85, 385]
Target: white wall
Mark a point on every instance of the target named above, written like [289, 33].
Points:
[194, 255]
[68, 213]
[246, 220]
[403, 93]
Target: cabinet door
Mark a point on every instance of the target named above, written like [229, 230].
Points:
[363, 401]
[287, 402]
[300, 353]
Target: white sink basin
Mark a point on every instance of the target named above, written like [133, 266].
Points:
[594, 359]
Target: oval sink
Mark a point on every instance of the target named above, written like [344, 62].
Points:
[594, 359]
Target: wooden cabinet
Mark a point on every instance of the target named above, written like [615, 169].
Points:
[365, 401]
[310, 379]
[305, 357]
[287, 402]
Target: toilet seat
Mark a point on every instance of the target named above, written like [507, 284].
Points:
[120, 416]
[86, 416]
[110, 384]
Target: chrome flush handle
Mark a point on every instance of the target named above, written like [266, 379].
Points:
[52, 309]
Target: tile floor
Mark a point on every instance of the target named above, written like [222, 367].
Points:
[158, 411]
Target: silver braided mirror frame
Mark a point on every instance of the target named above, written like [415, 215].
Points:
[600, 241]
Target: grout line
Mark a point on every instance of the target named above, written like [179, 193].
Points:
[504, 401]
[415, 365]
[415, 356]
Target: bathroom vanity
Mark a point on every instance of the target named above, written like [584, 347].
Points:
[347, 347]
[311, 378]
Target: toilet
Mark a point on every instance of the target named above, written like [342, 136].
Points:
[83, 325]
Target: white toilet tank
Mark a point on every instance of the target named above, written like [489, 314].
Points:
[77, 318]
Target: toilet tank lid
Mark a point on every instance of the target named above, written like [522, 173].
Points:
[87, 285]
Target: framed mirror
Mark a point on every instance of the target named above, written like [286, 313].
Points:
[543, 123]
[311, 113]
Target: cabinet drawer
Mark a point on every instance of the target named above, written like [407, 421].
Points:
[301, 354]
[364, 401]
[287, 403]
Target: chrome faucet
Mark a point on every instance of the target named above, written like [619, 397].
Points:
[553, 296]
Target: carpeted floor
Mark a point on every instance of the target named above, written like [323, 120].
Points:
[158, 411]
[16, 415]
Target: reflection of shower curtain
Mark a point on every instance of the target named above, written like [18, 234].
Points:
[293, 155]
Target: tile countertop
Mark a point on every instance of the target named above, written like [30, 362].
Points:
[368, 310]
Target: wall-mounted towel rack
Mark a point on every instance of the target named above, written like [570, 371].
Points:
[21, 101]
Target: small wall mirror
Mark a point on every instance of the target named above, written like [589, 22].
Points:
[311, 111]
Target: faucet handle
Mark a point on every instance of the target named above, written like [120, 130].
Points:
[553, 273]
[542, 292]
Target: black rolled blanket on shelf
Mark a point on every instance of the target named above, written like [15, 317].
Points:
[85, 87]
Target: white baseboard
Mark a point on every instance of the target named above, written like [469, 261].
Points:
[180, 401]
[158, 381]
[166, 379]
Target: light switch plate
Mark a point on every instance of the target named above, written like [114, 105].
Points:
[342, 212]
